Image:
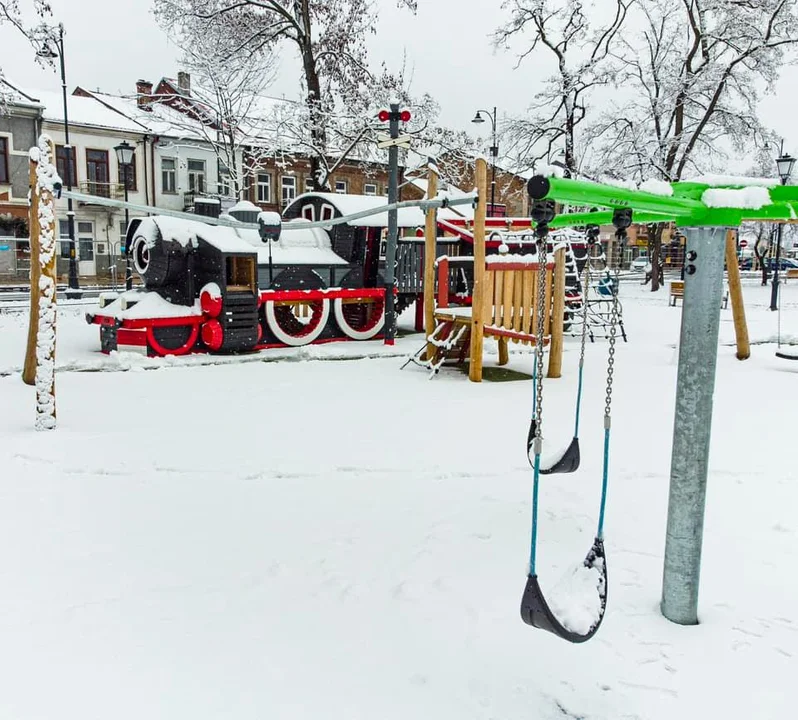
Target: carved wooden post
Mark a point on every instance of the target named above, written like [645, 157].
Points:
[736, 296]
[430, 246]
[477, 326]
[557, 315]
[29, 369]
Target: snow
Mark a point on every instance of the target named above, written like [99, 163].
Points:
[750, 198]
[269, 217]
[83, 111]
[576, 599]
[350, 204]
[245, 537]
[656, 187]
[147, 305]
[734, 180]
[244, 206]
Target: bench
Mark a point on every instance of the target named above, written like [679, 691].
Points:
[509, 308]
[791, 274]
[677, 291]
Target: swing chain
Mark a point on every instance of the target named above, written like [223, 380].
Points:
[592, 236]
[541, 319]
[620, 236]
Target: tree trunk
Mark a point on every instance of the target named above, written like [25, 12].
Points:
[655, 255]
[760, 250]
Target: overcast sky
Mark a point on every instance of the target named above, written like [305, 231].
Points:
[112, 43]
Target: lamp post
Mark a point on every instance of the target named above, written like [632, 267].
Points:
[48, 52]
[124, 156]
[494, 151]
[784, 165]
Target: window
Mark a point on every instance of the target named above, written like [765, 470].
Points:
[61, 162]
[196, 176]
[131, 174]
[264, 188]
[63, 232]
[4, 174]
[308, 184]
[340, 186]
[97, 172]
[327, 212]
[309, 212]
[289, 188]
[225, 184]
[168, 175]
[369, 189]
[85, 241]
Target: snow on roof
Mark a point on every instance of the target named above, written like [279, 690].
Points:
[451, 192]
[349, 204]
[82, 111]
[244, 206]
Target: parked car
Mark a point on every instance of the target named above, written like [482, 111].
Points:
[641, 264]
[784, 264]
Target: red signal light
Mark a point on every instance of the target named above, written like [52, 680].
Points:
[383, 115]
[404, 116]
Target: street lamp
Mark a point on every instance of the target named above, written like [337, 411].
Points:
[494, 151]
[48, 52]
[784, 166]
[124, 156]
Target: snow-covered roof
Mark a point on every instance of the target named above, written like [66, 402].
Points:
[82, 111]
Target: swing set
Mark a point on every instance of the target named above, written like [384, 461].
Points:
[700, 214]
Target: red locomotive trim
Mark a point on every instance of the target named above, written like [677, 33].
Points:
[144, 323]
[309, 295]
[137, 338]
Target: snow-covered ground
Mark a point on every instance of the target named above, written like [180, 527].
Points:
[347, 540]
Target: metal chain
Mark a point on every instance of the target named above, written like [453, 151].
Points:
[541, 248]
[585, 286]
[620, 236]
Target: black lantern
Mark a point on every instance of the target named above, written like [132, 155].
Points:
[784, 164]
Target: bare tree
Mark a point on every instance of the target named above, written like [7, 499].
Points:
[330, 39]
[226, 108]
[581, 48]
[36, 28]
[691, 76]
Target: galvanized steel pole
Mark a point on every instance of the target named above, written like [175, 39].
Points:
[695, 384]
[393, 231]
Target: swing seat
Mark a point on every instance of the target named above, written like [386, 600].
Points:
[568, 462]
[536, 612]
[786, 356]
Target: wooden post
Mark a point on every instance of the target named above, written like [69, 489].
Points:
[736, 297]
[29, 369]
[557, 316]
[430, 248]
[42, 227]
[477, 326]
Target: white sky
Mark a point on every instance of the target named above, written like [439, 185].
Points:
[112, 43]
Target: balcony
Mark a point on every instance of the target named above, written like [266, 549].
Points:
[114, 191]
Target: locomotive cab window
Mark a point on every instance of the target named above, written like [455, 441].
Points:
[240, 273]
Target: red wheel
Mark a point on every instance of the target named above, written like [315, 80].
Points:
[298, 324]
[360, 319]
[211, 300]
[212, 334]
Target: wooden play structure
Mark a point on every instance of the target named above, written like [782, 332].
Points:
[503, 305]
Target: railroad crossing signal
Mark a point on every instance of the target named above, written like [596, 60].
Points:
[385, 141]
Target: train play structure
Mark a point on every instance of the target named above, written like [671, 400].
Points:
[264, 281]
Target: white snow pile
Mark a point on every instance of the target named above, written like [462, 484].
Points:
[619, 183]
[734, 180]
[139, 305]
[576, 599]
[244, 206]
[550, 454]
[269, 217]
[549, 170]
[748, 198]
[656, 187]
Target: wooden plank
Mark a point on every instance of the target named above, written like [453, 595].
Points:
[477, 325]
[507, 300]
[517, 307]
[487, 307]
[527, 300]
[498, 290]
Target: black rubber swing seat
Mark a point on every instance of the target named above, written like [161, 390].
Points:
[568, 462]
[536, 612]
[785, 356]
